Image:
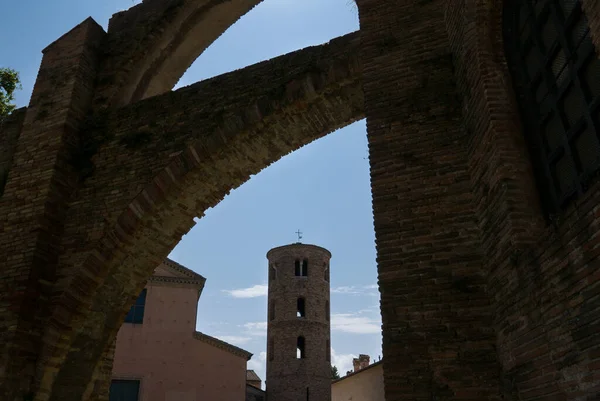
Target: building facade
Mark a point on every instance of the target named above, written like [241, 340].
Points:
[159, 356]
[298, 328]
[254, 390]
[363, 383]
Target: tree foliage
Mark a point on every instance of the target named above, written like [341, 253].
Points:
[9, 82]
[334, 373]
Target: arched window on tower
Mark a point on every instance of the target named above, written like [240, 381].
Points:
[301, 308]
[301, 269]
[556, 77]
[328, 351]
[326, 274]
[327, 310]
[300, 351]
[272, 273]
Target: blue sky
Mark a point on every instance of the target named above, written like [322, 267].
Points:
[322, 189]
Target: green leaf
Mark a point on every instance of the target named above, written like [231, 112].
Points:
[9, 82]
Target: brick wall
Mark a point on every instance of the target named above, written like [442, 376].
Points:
[33, 206]
[10, 129]
[438, 342]
[474, 281]
[152, 44]
[148, 177]
[542, 276]
[288, 378]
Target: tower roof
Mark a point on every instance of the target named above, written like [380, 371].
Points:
[298, 245]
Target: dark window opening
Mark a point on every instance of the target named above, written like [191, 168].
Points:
[136, 313]
[300, 351]
[328, 351]
[272, 310]
[556, 76]
[327, 310]
[326, 274]
[300, 309]
[307, 394]
[271, 349]
[301, 270]
[124, 390]
[272, 273]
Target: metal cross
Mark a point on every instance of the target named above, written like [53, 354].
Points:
[299, 235]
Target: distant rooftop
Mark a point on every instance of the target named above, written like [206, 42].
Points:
[251, 376]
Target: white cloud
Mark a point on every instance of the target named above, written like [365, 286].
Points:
[235, 340]
[259, 290]
[345, 290]
[255, 328]
[350, 323]
[343, 362]
[374, 309]
[355, 290]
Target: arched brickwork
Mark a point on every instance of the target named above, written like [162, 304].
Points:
[526, 254]
[193, 146]
[151, 45]
[469, 271]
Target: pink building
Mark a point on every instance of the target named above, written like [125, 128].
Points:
[159, 354]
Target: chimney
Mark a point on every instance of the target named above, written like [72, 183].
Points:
[356, 364]
[361, 362]
[364, 360]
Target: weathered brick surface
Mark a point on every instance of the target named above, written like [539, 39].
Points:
[151, 45]
[289, 378]
[481, 297]
[541, 277]
[10, 129]
[319, 93]
[33, 206]
[438, 342]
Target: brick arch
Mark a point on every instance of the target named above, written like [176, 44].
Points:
[151, 45]
[295, 99]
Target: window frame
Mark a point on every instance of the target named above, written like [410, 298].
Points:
[136, 313]
[301, 268]
[301, 308]
[301, 346]
[536, 114]
[129, 380]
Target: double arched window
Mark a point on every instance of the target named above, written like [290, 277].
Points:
[556, 75]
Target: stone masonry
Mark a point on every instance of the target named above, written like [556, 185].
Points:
[290, 378]
[483, 295]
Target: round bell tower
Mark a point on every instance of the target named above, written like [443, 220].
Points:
[298, 324]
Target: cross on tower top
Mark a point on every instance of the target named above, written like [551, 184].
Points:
[299, 235]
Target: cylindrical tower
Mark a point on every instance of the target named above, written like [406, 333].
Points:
[298, 329]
